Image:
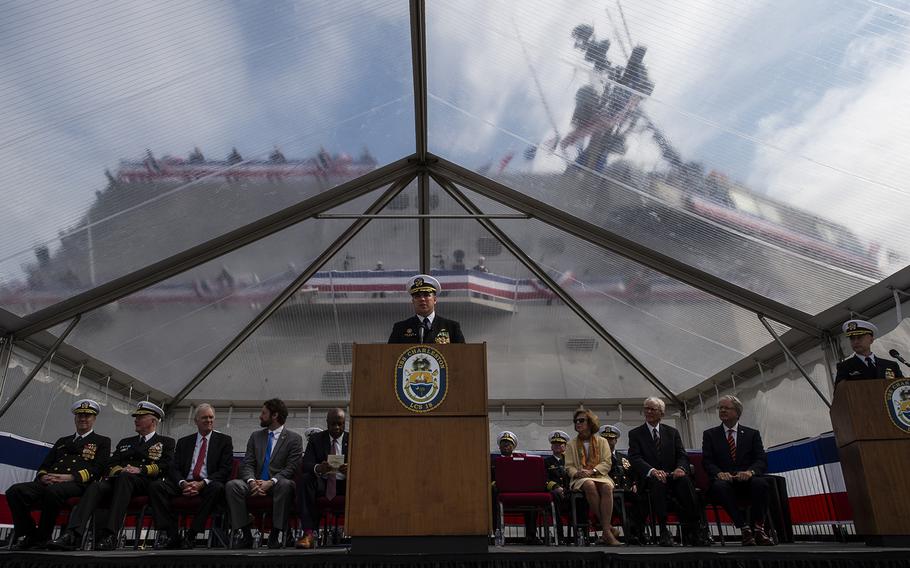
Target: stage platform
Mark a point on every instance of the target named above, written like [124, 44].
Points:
[808, 555]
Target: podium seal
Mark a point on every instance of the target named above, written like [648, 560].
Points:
[420, 379]
[897, 401]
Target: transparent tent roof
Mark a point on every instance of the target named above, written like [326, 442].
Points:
[610, 194]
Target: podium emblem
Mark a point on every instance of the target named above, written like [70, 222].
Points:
[420, 379]
[897, 401]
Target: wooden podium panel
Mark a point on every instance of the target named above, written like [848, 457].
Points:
[858, 412]
[875, 474]
[425, 493]
[373, 380]
[875, 459]
[419, 472]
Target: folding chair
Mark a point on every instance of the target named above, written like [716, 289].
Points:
[521, 484]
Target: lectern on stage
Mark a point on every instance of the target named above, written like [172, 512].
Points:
[871, 421]
[419, 471]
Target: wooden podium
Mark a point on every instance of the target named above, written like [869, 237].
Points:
[875, 458]
[419, 471]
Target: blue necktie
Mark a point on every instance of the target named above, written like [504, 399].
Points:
[268, 457]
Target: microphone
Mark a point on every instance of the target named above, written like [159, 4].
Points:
[897, 356]
[420, 335]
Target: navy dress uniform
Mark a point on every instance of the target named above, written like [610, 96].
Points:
[82, 456]
[152, 454]
[558, 477]
[857, 366]
[430, 328]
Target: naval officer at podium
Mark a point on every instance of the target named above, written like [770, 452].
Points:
[425, 326]
[863, 364]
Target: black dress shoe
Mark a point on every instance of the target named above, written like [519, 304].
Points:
[67, 541]
[107, 542]
[275, 539]
[189, 540]
[25, 543]
[244, 539]
[665, 539]
[169, 542]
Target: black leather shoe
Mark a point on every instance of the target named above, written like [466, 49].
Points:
[761, 537]
[168, 542]
[67, 541]
[665, 539]
[275, 539]
[748, 538]
[244, 539]
[189, 540]
[107, 542]
[25, 543]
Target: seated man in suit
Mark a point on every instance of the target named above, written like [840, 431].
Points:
[621, 473]
[268, 468]
[73, 462]
[202, 465]
[557, 477]
[320, 478]
[863, 364]
[426, 326]
[660, 461]
[136, 463]
[734, 456]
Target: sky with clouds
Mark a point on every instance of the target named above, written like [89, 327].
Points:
[803, 101]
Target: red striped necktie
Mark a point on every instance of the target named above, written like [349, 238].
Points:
[731, 441]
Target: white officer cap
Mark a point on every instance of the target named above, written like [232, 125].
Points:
[558, 437]
[859, 327]
[86, 406]
[423, 283]
[507, 435]
[146, 407]
[610, 431]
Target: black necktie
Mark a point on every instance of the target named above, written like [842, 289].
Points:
[656, 439]
[426, 328]
[870, 364]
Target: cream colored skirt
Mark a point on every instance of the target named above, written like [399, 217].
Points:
[575, 484]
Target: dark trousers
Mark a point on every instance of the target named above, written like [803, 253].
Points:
[23, 498]
[162, 491]
[728, 493]
[312, 489]
[635, 512]
[118, 491]
[682, 491]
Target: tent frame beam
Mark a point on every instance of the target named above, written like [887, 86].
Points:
[326, 255]
[213, 248]
[541, 274]
[622, 246]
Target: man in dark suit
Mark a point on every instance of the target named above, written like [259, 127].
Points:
[863, 364]
[734, 457]
[202, 465]
[268, 468]
[425, 326]
[136, 463]
[659, 460]
[320, 477]
[73, 462]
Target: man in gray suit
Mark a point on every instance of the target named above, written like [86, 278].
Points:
[272, 459]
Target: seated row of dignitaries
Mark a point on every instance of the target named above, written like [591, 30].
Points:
[425, 326]
[202, 465]
[325, 471]
[73, 462]
[863, 363]
[137, 461]
[268, 468]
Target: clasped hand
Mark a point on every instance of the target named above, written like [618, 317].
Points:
[260, 487]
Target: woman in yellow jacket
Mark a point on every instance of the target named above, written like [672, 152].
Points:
[588, 465]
